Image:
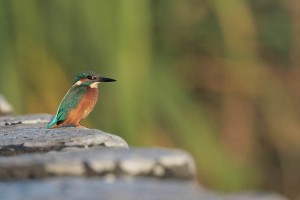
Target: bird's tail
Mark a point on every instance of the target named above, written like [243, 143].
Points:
[52, 123]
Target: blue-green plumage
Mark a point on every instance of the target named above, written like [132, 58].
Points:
[69, 102]
[79, 100]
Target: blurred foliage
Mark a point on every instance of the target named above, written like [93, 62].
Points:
[217, 78]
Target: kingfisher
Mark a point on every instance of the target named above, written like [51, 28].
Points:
[79, 101]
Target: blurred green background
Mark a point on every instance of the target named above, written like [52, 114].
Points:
[220, 79]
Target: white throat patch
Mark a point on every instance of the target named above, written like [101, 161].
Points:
[94, 85]
[78, 83]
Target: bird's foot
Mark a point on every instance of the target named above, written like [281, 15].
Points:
[79, 126]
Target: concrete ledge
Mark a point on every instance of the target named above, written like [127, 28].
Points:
[73, 163]
[28, 134]
[119, 189]
[113, 162]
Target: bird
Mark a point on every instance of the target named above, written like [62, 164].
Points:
[79, 101]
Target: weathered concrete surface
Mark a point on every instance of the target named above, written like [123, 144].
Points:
[5, 107]
[28, 134]
[71, 163]
[118, 189]
[114, 162]
[25, 119]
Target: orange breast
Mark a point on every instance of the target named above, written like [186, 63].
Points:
[84, 108]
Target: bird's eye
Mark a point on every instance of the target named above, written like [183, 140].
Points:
[89, 77]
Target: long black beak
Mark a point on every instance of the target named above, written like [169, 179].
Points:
[103, 79]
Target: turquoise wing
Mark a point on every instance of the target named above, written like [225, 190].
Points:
[69, 102]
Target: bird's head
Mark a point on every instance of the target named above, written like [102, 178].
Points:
[91, 79]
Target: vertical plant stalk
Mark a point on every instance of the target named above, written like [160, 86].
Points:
[133, 61]
[241, 73]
